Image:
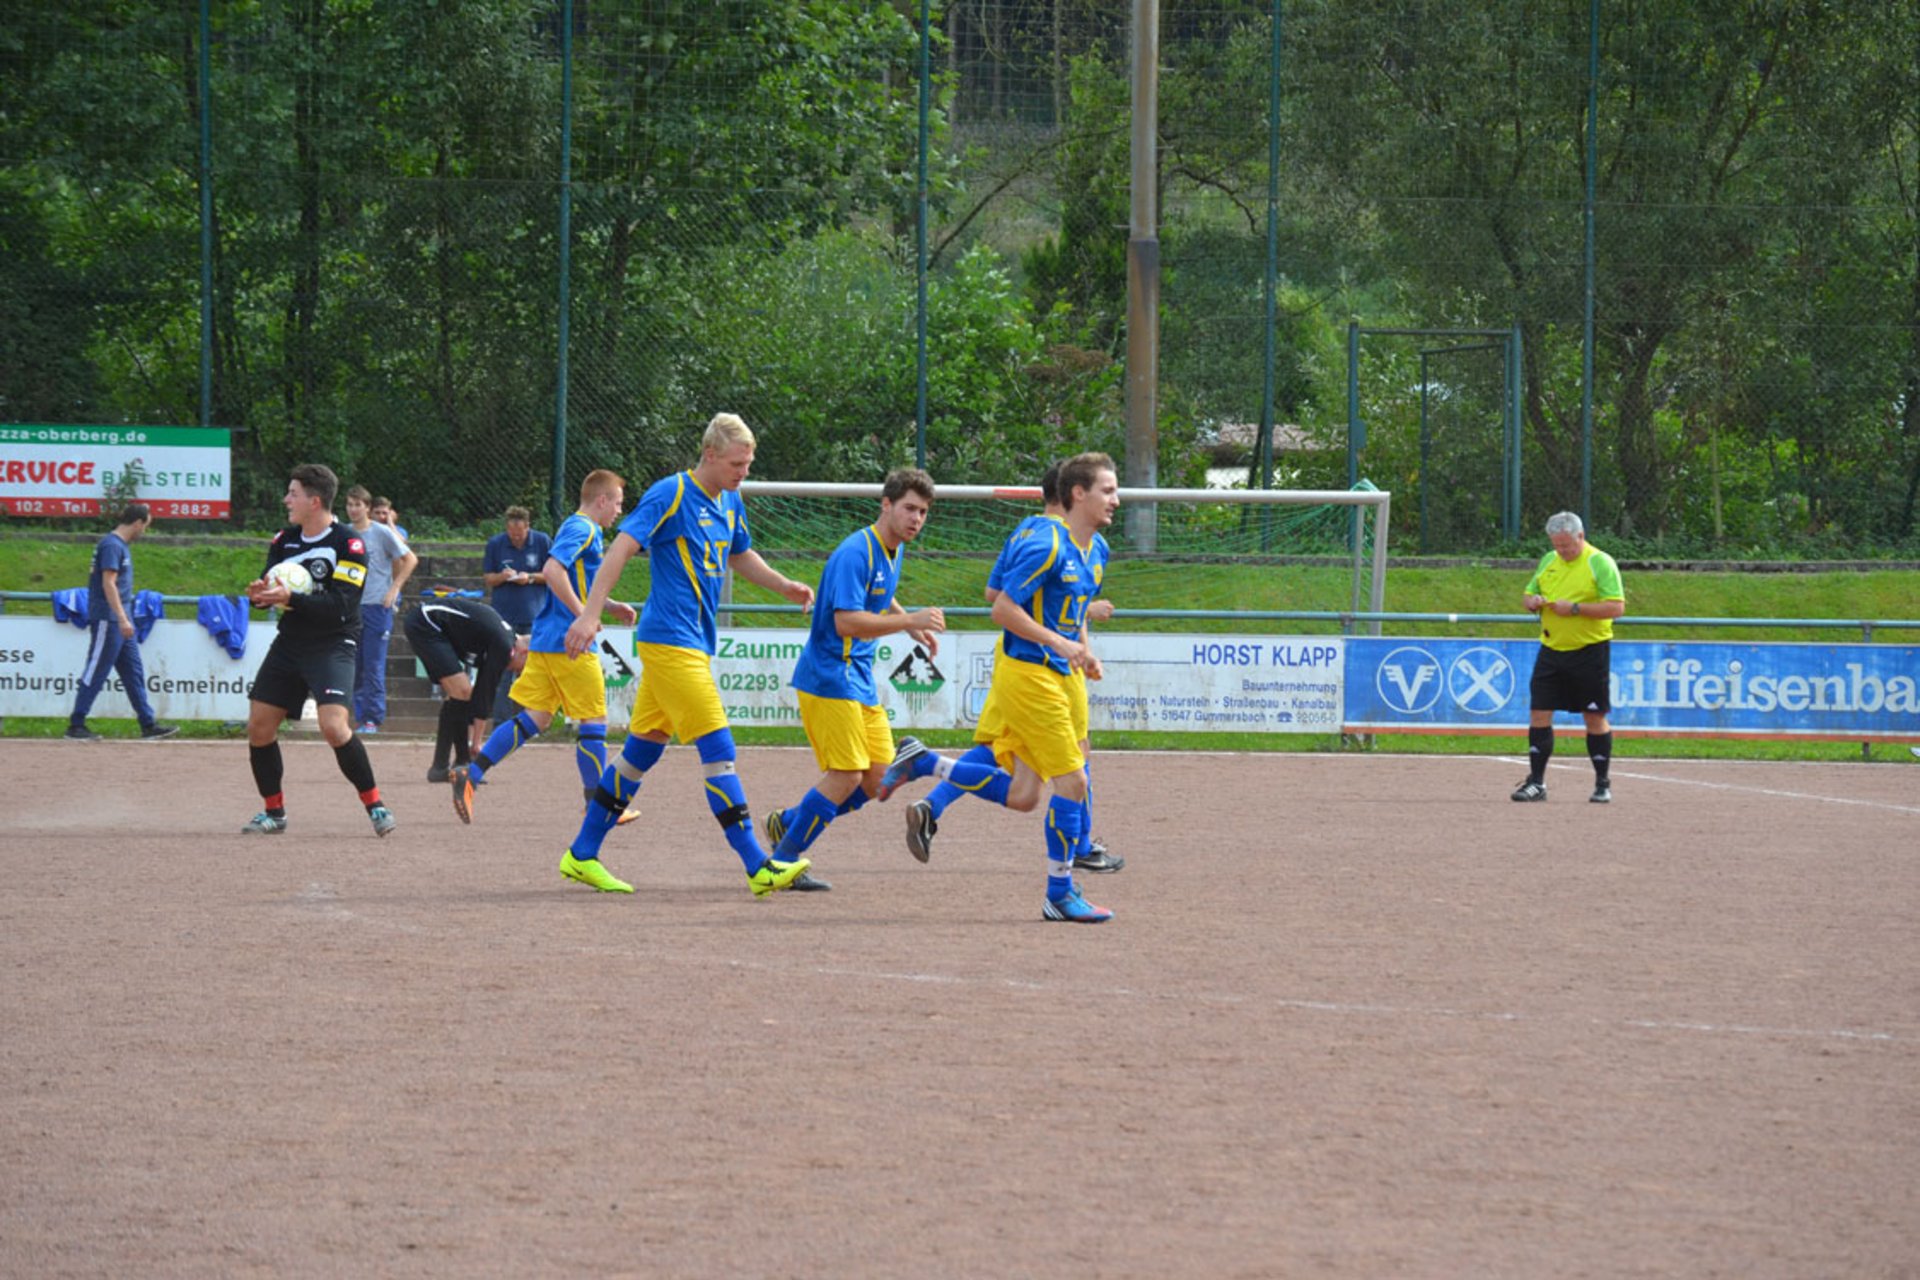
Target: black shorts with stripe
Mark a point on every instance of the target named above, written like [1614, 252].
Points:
[291, 673]
[1573, 679]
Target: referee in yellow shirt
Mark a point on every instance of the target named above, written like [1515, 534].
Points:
[1577, 593]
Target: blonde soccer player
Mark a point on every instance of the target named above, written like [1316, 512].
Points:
[693, 527]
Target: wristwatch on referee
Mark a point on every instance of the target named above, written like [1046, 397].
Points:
[1576, 608]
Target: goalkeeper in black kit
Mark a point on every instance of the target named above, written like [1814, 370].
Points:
[316, 570]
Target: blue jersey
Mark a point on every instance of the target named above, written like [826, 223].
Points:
[110, 555]
[860, 576]
[579, 546]
[1046, 574]
[688, 535]
[997, 576]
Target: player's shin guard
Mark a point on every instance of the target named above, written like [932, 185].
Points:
[1539, 751]
[502, 742]
[353, 762]
[1600, 751]
[810, 818]
[1063, 835]
[268, 770]
[590, 754]
[856, 801]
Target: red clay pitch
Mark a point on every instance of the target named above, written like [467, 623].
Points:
[1356, 1017]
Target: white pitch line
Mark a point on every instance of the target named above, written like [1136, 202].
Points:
[1732, 786]
[1352, 1009]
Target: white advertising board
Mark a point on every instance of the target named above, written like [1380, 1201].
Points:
[189, 677]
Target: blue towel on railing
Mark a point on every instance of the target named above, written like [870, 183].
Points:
[71, 606]
[446, 593]
[148, 608]
[225, 618]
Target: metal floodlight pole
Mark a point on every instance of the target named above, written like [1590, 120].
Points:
[1143, 278]
[1586, 337]
[556, 499]
[1265, 447]
[920, 244]
[206, 215]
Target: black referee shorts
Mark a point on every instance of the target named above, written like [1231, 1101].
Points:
[288, 675]
[442, 658]
[1572, 679]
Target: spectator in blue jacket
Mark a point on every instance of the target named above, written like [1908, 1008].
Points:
[111, 644]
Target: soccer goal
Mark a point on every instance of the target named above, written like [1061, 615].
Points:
[1222, 559]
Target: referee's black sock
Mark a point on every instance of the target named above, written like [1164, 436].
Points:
[451, 731]
[1600, 751]
[1539, 751]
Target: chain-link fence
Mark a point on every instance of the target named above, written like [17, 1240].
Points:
[397, 194]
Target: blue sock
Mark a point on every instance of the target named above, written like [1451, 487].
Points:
[615, 791]
[725, 795]
[590, 754]
[853, 802]
[945, 792]
[728, 798]
[1063, 833]
[986, 781]
[502, 742]
[811, 817]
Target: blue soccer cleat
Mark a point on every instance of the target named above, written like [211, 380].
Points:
[911, 760]
[1074, 909]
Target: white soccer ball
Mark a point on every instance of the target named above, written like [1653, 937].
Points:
[293, 575]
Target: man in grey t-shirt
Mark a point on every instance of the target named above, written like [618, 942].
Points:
[389, 564]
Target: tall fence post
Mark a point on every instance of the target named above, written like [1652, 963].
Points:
[557, 497]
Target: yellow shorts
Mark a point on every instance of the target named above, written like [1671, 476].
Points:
[677, 695]
[1036, 714]
[988, 728]
[846, 735]
[1077, 693]
[575, 687]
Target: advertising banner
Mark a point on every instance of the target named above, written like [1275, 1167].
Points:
[182, 473]
[1854, 692]
[189, 677]
[1173, 683]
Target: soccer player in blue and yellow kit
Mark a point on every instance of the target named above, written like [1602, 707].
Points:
[555, 681]
[839, 701]
[923, 816]
[693, 528]
[1053, 569]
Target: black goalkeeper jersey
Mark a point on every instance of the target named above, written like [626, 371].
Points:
[337, 559]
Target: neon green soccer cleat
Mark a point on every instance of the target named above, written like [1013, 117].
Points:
[775, 876]
[592, 874]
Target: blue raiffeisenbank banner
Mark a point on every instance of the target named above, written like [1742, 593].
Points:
[1851, 691]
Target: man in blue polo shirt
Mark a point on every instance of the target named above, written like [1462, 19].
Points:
[512, 568]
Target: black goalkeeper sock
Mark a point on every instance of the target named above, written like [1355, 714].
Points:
[355, 765]
[267, 768]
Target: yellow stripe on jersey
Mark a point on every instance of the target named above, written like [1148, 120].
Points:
[693, 579]
[1053, 554]
[679, 492]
